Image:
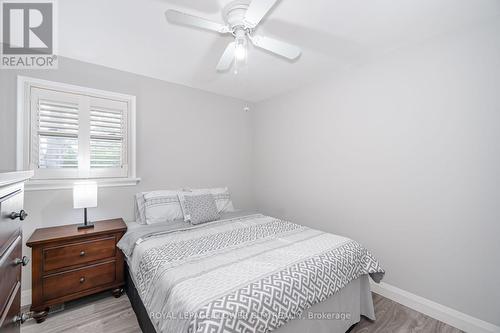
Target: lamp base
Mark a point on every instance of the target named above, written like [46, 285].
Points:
[87, 225]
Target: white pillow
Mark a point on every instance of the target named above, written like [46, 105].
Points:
[162, 206]
[221, 195]
[140, 208]
[182, 202]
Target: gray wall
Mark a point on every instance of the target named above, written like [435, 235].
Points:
[402, 155]
[185, 137]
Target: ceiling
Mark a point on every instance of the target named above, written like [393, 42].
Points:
[133, 35]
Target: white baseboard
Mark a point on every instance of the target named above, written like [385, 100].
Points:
[435, 310]
[26, 297]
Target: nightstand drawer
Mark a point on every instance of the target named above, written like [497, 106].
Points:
[67, 283]
[78, 253]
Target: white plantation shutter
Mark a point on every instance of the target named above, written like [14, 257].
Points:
[77, 136]
[55, 130]
[57, 134]
[108, 137]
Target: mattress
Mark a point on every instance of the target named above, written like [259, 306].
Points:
[249, 272]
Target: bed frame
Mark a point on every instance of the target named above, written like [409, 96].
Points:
[135, 300]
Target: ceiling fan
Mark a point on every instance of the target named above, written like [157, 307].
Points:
[241, 17]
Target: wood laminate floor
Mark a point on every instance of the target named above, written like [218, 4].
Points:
[396, 318]
[103, 313]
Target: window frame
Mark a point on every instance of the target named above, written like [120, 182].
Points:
[24, 133]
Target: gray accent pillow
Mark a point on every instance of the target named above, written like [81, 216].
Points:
[200, 208]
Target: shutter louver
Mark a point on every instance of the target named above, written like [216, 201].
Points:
[57, 134]
[107, 133]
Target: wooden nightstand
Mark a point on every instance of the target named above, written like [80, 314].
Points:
[68, 263]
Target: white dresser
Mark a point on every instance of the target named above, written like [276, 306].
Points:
[12, 215]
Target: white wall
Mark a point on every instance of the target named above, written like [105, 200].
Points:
[402, 155]
[185, 138]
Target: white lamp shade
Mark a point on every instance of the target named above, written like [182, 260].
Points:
[85, 195]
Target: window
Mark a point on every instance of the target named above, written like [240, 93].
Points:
[67, 133]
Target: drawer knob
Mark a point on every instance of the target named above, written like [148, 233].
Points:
[82, 253]
[82, 279]
[20, 319]
[21, 215]
[24, 261]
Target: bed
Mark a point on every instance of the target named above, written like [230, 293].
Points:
[246, 272]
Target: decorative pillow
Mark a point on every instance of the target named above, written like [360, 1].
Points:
[162, 206]
[221, 195]
[199, 208]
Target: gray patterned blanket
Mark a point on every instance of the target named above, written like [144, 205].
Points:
[246, 274]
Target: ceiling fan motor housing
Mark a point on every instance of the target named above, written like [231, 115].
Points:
[234, 15]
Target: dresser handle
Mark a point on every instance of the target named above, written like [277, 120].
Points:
[82, 279]
[21, 215]
[82, 253]
[21, 318]
[24, 261]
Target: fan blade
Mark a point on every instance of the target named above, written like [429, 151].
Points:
[276, 46]
[174, 16]
[257, 10]
[227, 58]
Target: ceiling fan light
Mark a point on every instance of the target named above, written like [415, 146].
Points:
[240, 52]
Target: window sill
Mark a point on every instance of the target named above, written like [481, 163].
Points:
[61, 184]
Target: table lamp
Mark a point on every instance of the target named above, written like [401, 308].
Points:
[85, 196]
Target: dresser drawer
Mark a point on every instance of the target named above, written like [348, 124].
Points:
[11, 273]
[78, 253]
[11, 201]
[12, 310]
[67, 283]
